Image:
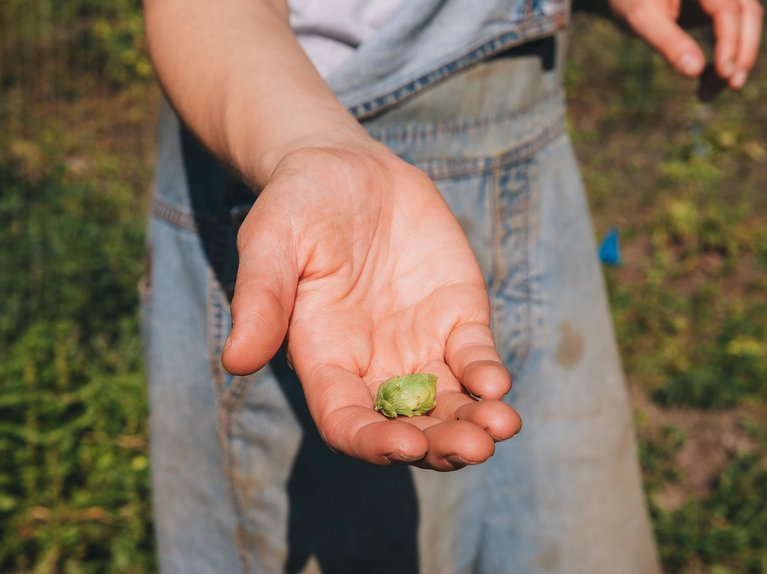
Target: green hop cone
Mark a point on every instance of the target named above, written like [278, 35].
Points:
[407, 395]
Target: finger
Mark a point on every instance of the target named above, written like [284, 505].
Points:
[263, 295]
[752, 15]
[448, 404]
[675, 8]
[472, 357]
[455, 444]
[495, 417]
[726, 19]
[660, 31]
[342, 407]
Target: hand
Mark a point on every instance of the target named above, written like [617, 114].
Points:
[355, 254]
[737, 27]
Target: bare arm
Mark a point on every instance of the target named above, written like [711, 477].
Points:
[237, 76]
[344, 249]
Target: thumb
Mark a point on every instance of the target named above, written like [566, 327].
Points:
[264, 293]
[658, 28]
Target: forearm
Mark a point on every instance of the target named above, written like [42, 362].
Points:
[235, 73]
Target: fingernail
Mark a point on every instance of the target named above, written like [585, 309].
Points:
[456, 460]
[408, 458]
[739, 79]
[398, 458]
[688, 64]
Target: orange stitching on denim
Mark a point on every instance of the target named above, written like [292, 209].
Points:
[409, 132]
[517, 35]
[450, 169]
[215, 331]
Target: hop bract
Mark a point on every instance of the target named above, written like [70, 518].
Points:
[407, 395]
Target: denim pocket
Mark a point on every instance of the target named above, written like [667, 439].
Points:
[515, 284]
[480, 137]
[497, 208]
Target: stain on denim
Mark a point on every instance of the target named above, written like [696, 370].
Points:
[549, 560]
[571, 346]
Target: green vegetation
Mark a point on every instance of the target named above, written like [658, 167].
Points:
[682, 180]
[74, 477]
[73, 454]
[74, 45]
[723, 531]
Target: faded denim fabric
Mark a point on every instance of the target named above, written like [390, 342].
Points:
[427, 41]
[242, 481]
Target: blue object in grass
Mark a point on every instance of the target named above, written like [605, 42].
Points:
[610, 250]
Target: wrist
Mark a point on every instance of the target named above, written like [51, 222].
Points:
[328, 136]
[262, 148]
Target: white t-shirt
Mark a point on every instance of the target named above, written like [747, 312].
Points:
[330, 31]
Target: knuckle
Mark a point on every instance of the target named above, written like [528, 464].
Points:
[723, 9]
[244, 234]
[635, 15]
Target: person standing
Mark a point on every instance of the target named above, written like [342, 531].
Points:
[409, 202]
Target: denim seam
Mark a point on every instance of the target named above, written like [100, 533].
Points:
[499, 276]
[215, 316]
[520, 33]
[229, 396]
[239, 384]
[449, 169]
[495, 209]
[524, 349]
[421, 132]
[527, 310]
[216, 312]
[174, 215]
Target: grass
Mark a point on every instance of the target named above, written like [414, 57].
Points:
[73, 449]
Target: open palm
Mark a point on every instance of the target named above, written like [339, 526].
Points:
[356, 256]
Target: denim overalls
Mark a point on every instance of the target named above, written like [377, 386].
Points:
[470, 93]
